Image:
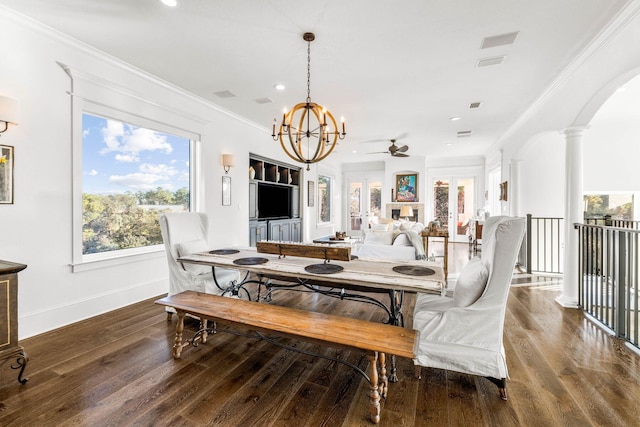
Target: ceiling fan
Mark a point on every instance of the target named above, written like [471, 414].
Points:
[394, 150]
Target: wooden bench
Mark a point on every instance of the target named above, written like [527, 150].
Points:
[377, 339]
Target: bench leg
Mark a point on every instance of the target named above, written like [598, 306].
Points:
[177, 345]
[374, 395]
[384, 381]
[203, 326]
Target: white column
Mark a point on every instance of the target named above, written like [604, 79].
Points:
[573, 212]
[514, 188]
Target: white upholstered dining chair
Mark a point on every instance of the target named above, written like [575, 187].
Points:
[464, 333]
[183, 234]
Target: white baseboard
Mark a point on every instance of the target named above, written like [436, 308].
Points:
[54, 317]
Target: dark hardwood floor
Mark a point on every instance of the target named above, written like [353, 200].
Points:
[116, 369]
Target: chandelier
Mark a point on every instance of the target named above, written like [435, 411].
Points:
[308, 132]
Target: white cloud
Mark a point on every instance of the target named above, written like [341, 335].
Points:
[92, 172]
[139, 181]
[129, 141]
[158, 169]
[149, 177]
[127, 158]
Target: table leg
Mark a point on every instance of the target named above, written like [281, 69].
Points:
[425, 239]
[374, 395]
[397, 319]
[21, 363]
[177, 345]
[446, 258]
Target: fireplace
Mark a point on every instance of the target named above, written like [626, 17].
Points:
[393, 211]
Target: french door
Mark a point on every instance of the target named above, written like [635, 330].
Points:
[365, 204]
[454, 204]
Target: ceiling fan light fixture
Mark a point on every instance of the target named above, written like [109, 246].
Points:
[170, 3]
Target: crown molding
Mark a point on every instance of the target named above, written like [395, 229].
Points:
[617, 24]
[100, 55]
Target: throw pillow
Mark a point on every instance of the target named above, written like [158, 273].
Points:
[381, 227]
[471, 283]
[402, 240]
[379, 237]
[406, 225]
[192, 247]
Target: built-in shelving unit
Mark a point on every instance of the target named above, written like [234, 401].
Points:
[286, 225]
[272, 171]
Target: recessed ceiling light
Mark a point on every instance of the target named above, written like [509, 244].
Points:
[454, 118]
[279, 86]
[449, 144]
[170, 3]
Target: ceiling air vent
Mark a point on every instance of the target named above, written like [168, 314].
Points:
[475, 104]
[264, 101]
[464, 133]
[500, 40]
[225, 94]
[488, 62]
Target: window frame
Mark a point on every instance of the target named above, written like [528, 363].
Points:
[92, 95]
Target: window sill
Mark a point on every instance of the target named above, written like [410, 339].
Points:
[96, 261]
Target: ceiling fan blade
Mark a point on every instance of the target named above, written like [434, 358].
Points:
[397, 154]
[379, 152]
[403, 148]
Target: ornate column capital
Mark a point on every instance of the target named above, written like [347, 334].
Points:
[574, 131]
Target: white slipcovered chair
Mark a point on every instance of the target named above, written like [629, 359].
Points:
[464, 333]
[183, 234]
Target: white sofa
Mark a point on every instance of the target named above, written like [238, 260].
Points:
[398, 240]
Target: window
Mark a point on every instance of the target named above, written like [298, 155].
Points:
[129, 175]
[324, 198]
[618, 206]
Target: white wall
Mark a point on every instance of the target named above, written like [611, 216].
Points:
[572, 100]
[542, 175]
[37, 228]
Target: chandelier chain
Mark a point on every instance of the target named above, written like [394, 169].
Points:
[308, 71]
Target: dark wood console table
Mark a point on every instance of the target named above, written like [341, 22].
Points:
[9, 348]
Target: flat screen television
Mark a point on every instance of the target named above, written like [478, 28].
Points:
[274, 201]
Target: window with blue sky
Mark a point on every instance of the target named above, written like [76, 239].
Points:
[118, 157]
[130, 174]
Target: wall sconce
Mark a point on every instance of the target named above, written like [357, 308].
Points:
[8, 112]
[406, 212]
[227, 162]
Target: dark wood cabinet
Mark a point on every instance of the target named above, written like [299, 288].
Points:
[9, 348]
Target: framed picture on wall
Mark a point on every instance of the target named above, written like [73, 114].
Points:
[311, 194]
[226, 191]
[407, 187]
[6, 174]
[504, 191]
